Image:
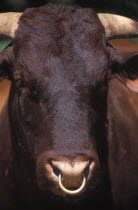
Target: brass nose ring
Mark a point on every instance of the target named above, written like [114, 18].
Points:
[71, 192]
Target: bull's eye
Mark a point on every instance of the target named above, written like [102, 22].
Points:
[19, 83]
[21, 89]
[34, 96]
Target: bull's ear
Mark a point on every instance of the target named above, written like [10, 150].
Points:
[132, 85]
[126, 66]
[6, 63]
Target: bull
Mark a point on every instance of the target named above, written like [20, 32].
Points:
[53, 128]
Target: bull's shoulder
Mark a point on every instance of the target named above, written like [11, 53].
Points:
[5, 143]
[7, 187]
[123, 143]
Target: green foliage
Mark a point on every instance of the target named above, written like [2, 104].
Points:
[4, 43]
[135, 40]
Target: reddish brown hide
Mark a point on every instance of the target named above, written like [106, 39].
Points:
[4, 92]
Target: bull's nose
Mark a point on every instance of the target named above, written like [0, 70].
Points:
[71, 175]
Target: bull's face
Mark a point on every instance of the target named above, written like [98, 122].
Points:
[59, 84]
[58, 100]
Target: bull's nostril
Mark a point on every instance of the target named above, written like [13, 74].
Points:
[56, 171]
[86, 171]
[89, 168]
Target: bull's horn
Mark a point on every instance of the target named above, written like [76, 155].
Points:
[9, 23]
[117, 26]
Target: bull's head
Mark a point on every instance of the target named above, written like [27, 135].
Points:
[60, 64]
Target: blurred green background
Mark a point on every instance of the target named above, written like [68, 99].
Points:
[127, 8]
